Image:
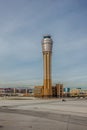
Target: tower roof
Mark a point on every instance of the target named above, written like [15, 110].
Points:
[47, 36]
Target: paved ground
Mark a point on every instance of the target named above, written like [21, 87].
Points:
[42, 114]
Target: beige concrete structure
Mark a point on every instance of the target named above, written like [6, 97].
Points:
[75, 92]
[59, 90]
[47, 55]
[78, 92]
[38, 91]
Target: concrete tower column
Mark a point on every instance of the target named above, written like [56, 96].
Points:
[47, 54]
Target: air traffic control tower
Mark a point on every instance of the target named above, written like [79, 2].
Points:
[47, 44]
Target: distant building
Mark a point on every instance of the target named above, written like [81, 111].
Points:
[16, 91]
[2, 91]
[78, 92]
[66, 92]
[74, 92]
[59, 89]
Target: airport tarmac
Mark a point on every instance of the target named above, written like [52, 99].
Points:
[43, 114]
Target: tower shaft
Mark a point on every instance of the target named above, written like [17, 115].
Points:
[47, 74]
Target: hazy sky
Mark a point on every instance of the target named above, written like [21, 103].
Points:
[22, 26]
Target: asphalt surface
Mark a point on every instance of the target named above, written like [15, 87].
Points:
[43, 115]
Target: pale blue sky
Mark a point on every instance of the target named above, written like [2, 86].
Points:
[22, 26]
